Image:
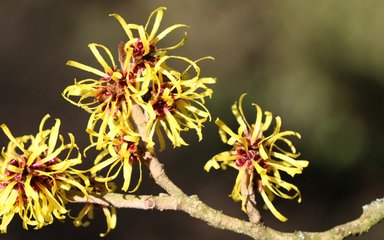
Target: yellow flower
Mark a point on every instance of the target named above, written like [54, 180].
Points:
[176, 102]
[111, 94]
[168, 97]
[120, 150]
[144, 44]
[35, 174]
[259, 156]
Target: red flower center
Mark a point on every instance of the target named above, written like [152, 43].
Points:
[246, 157]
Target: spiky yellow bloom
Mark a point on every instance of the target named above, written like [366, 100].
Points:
[117, 88]
[259, 156]
[176, 102]
[114, 91]
[120, 150]
[144, 41]
[35, 174]
[170, 98]
[120, 85]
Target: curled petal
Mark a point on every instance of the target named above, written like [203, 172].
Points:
[270, 206]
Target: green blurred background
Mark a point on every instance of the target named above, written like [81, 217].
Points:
[317, 64]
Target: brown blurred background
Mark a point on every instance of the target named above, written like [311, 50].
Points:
[317, 64]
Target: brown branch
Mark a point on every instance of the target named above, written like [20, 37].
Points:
[189, 204]
[372, 214]
[140, 119]
[158, 173]
[145, 202]
[247, 190]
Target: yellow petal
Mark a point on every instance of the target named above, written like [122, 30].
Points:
[238, 113]
[123, 24]
[167, 31]
[100, 59]
[223, 127]
[86, 68]
[53, 136]
[110, 218]
[236, 195]
[257, 125]
[270, 206]
[156, 24]
[140, 179]
[211, 163]
[267, 122]
[144, 39]
[11, 137]
[127, 173]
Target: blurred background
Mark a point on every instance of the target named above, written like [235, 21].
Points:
[317, 64]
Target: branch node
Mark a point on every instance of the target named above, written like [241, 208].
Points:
[149, 203]
[301, 235]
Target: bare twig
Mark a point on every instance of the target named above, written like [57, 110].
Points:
[155, 167]
[158, 173]
[175, 199]
[146, 202]
[373, 213]
[247, 191]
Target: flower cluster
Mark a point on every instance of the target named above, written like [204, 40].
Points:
[133, 105]
[259, 157]
[172, 100]
[36, 172]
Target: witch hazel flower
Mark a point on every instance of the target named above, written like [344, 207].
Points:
[120, 151]
[36, 172]
[117, 88]
[144, 41]
[175, 102]
[260, 157]
[112, 93]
